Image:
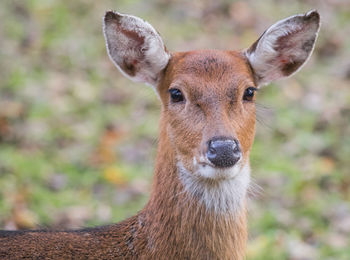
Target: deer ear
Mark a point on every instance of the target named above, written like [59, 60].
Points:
[135, 47]
[283, 48]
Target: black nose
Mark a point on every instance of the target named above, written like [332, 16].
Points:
[223, 152]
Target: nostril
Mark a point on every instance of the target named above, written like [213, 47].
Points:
[211, 149]
[236, 148]
[223, 152]
[211, 153]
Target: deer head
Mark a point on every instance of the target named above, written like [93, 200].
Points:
[207, 96]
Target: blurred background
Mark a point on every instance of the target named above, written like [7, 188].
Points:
[78, 140]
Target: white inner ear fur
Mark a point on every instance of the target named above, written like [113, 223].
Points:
[135, 47]
[268, 56]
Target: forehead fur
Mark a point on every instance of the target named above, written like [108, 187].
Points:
[210, 65]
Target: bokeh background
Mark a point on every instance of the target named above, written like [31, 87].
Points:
[78, 141]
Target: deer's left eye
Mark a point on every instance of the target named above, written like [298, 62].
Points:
[176, 95]
[249, 94]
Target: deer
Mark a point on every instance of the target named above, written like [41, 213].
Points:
[198, 203]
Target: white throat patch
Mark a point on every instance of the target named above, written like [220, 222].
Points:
[222, 195]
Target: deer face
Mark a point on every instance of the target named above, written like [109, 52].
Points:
[208, 106]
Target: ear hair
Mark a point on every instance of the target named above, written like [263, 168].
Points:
[135, 47]
[284, 47]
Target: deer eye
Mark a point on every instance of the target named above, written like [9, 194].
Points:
[176, 95]
[249, 94]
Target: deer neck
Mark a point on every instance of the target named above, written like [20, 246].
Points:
[179, 218]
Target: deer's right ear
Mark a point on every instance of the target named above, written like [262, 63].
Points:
[135, 47]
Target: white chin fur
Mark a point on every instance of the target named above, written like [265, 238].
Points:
[209, 172]
[220, 190]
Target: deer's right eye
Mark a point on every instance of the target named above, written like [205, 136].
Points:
[176, 95]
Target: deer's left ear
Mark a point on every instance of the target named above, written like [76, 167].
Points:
[135, 47]
[283, 48]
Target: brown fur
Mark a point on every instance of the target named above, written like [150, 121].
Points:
[172, 225]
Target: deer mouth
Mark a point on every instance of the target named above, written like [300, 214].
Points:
[207, 171]
[203, 168]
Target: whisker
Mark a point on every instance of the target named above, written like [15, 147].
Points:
[264, 115]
